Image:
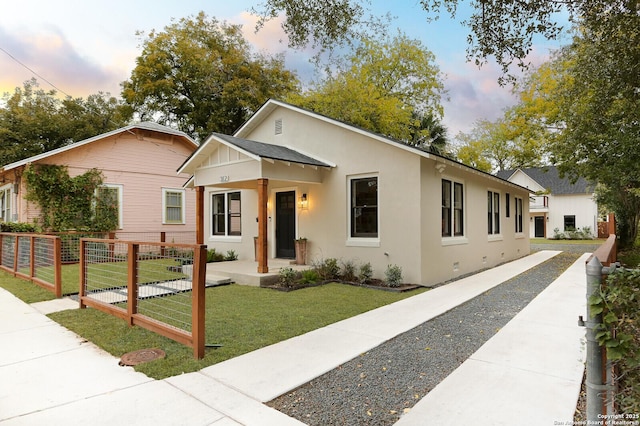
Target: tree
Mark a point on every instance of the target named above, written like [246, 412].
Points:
[201, 76]
[599, 110]
[384, 86]
[506, 143]
[33, 121]
[429, 133]
[501, 28]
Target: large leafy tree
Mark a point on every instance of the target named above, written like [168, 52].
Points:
[507, 143]
[202, 76]
[503, 29]
[33, 121]
[384, 86]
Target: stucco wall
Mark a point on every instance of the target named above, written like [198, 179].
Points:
[409, 200]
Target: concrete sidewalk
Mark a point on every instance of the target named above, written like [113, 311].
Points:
[50, 375]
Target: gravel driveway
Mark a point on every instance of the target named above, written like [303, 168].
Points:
[379, 385]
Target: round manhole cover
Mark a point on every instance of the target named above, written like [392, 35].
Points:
[140, 356]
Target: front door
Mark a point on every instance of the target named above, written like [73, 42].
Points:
[539, 224]
[285, 224]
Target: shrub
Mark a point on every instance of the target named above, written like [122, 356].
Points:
[619, 333]
[287, 277]
[327, 269]
[393, 275]
[213, 256]
[309, 276]
[18, 227]
[231, 255]
[348, 270]
[366, 273]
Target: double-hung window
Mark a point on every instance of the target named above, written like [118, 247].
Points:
[5, 204]
[452, 209]
[364, 207]
[518, 214]
[493, 212]
[173, 205]
[226, 214]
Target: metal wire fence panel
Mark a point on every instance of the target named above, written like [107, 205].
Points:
[164, 285]
[148, 283]
[44, 259]
[24, 254]
[106, 275]
[35, 257]
[8, 251]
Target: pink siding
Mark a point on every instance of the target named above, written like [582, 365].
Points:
[143, 166]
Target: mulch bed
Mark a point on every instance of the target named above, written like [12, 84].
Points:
[373, 284]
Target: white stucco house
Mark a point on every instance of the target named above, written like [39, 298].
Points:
[557, 203]
[289, 173]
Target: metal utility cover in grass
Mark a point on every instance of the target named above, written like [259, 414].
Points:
[140, 356]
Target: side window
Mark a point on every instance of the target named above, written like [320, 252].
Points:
[518, 214]
[493, 212]
[452, 208]
[5, 204]
[364, 207]
[173, 204]
[570, 223]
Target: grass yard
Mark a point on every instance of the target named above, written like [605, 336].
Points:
[241, 318]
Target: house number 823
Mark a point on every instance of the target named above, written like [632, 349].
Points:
[224, 178]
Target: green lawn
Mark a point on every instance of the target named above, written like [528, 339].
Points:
[241, 318]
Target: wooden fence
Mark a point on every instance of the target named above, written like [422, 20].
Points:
[158, 286]
[33, 257]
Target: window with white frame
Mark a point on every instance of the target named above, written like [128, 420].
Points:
[5, 204]
[173, 205]
[493, 212]
[111, 195]
[226, 215]
[452, 208]
[519, 214]
[364, 207]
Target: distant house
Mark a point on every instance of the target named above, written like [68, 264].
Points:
[356, 196]
[559, 205]
[138, 163]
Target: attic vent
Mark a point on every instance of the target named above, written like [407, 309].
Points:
[279, 126]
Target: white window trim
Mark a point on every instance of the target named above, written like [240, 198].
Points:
[453, 240]
[361, 241]
[223, 238]
[164, 206]
[120, 189]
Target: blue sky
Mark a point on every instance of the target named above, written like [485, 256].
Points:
[84, 47]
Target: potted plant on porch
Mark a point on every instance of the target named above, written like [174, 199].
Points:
[301, 251]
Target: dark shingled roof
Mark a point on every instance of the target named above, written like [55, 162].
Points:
[549, 178]
[273, 152]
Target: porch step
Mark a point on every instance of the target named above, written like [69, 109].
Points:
[216, 280]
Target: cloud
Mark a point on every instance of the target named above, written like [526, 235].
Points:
[49, 54]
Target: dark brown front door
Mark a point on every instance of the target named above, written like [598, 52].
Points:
[285, 224]
[539, 224]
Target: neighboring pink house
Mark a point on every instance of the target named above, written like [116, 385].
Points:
[137, 161]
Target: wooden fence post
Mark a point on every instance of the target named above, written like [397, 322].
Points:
[132, 282]
[57, 266]
[83, 274]
[198, 300]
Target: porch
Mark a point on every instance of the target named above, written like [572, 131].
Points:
[244, 272]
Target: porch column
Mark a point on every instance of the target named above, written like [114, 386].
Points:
[199, 214]
[262, 226]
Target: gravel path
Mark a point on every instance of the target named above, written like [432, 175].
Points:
[379, 385]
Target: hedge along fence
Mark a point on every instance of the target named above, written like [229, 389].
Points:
[158, 286]
[33, 257]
